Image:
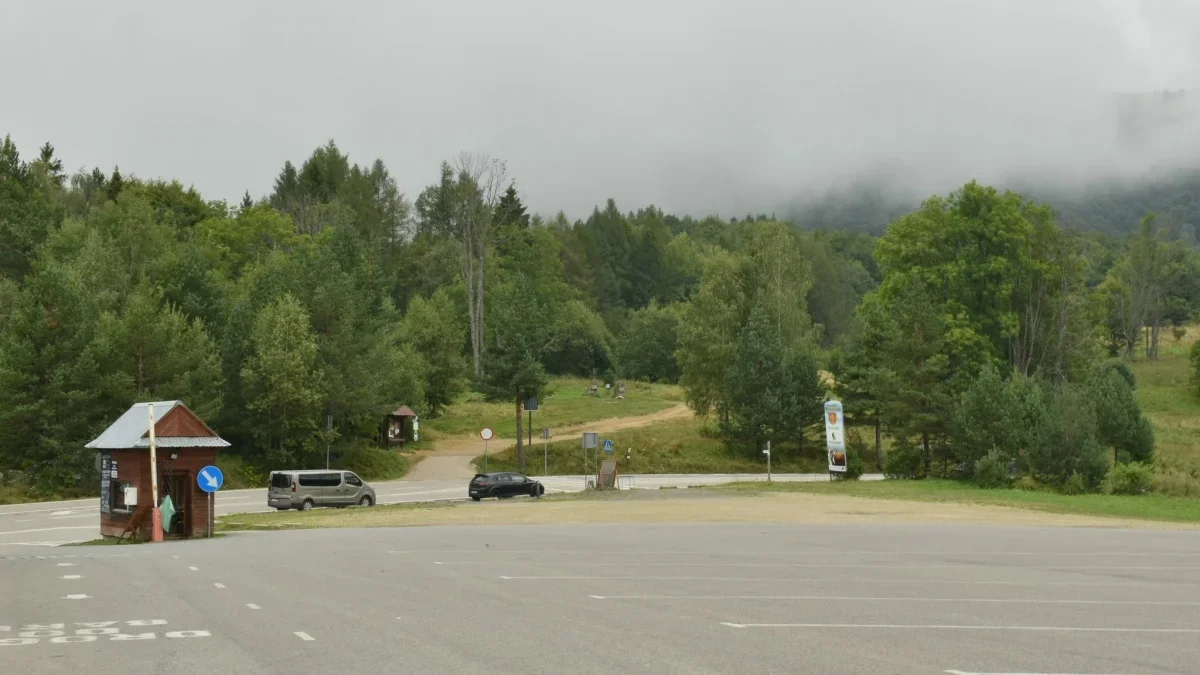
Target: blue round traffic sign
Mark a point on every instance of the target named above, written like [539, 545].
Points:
[210, 479]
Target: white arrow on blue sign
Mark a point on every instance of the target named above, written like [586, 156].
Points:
[210, 479]
[608, 448]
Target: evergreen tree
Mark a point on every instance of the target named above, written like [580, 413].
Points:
[282, 381]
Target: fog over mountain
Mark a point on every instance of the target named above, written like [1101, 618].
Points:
[697, 106]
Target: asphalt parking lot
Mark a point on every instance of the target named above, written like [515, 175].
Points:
[613, 599]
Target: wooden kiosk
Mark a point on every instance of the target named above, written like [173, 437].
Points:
[184, 445]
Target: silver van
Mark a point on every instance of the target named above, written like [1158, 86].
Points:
[305, 489]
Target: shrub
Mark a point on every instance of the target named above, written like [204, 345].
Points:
[992, 471]
[1133, 478]
[904, 460]
[374, 463]
[1177, 483]
[1179, 332]
[855, 449]
[1195, 358]
[240, 474]
[854, 465]
[1076, 484]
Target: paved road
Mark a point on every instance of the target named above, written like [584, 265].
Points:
[613, 599]
[50, 523]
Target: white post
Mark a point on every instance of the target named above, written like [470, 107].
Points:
[156, 532]
[768, 461]
[545, 455]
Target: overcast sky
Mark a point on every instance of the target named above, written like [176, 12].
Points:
[697, 106]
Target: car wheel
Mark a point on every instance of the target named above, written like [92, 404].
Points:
[307, 505]
[476, 497]
[366, 501]
[494, 492]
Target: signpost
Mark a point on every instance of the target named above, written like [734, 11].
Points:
[486, 435]
[156, 531]
[590, 439]
[210, 479]
[835, 437]
[546, 451]
[767, 452]
[530, 406]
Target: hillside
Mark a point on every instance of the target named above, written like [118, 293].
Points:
[1106, 207]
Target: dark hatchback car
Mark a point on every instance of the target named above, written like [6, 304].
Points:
[503, 485]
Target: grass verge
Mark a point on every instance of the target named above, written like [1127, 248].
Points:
[1162, 391]
[676, 446]
[566, 404]
[1134, 507]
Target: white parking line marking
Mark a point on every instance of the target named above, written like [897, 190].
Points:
[76, 597]
[853, 598]
[304, 636]
[857, 580]
[65, 565]
[194, 569]
[880, 626]
[626, 563]
[51, 529]
[219, 585]
[964, 672]
[72, 576]
[251, 605]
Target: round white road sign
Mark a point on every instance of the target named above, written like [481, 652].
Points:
[486, 434]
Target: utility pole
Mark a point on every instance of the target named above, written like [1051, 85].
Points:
[156, 531]
[328, 429]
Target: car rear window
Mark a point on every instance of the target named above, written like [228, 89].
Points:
[281, 480]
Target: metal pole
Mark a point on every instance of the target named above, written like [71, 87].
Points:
[530, 427]
[210, 514]
[328, 428]
[485, 455]
[156, 533]
[545, 456]
[768, 461]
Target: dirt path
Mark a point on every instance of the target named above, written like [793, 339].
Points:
[451, 459]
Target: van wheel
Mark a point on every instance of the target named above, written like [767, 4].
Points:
[307, 505]
[365, 501]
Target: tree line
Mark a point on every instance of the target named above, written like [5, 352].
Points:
[297, 319]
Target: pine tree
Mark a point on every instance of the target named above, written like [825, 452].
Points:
[115, 184]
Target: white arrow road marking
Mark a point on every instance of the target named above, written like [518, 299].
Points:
[304, 636]
[72, 576]
[251, 605]
[219, 585]
[77, 597]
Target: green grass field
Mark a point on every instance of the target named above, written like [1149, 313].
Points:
[565, 404]
[676, 446]
[1140, 507]
[1162, 391]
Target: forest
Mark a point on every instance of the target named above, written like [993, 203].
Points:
[983, 334]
